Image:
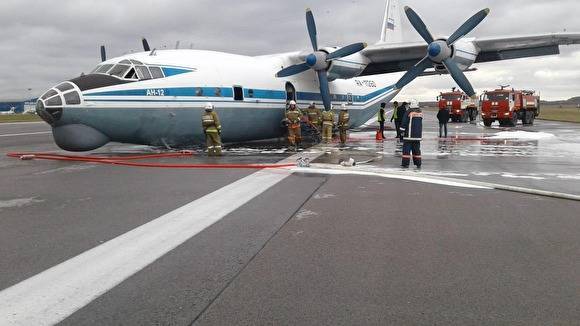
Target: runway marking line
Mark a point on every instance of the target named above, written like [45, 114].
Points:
[26, 134]
[54, 294]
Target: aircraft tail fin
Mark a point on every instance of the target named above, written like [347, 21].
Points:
[391, 31]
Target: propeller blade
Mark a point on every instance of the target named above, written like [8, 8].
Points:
[458, 76]
[468, 26]
[293, 70]
[414, 72]
[346, 51]
[418, 24]
[324, 88]
[103, 53]
[146, 47]
[311, 25]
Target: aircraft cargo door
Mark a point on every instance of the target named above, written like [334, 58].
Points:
[290, 92]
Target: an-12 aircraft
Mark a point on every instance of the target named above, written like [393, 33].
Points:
[156, 97]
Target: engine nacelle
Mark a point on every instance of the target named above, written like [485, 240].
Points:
[347, 67]
[464, 54]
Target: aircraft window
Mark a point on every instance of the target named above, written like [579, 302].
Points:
[125, 61]
[131, 74]
[102, 69]
[119, 70]
[250, 92]
[156, 72]
[218, 91]
[143, 72]
[135, 62]
[72, 98]
[64, 87]
[48, 94]
[54, 101]
[238, 93]
[199, 91]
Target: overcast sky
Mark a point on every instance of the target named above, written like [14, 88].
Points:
[43, 42]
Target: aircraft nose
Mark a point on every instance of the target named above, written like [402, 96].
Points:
[50, 105]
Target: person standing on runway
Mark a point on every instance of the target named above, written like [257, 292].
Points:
[412, 133]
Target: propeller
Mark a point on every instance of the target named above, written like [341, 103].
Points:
[319, 60]
[103, 53]
[440, 51]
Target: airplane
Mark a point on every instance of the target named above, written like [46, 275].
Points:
[156, 97]
[9, 112]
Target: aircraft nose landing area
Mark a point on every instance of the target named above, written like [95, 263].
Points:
[87, 243]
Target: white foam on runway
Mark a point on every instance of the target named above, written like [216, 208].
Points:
[524, 135]
[49, 297]
[403, 175]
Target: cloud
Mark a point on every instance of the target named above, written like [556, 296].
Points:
[44, 42]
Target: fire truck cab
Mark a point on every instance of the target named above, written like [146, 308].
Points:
[508, 106]
[461, 107]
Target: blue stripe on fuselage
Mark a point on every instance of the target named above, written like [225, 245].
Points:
[249, 93]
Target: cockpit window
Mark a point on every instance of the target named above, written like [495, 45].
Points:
[48, 94]
[156, 72]
[72, 98]
[125, 61]
[131, 74]
[119, 70]
[54, 101]
[143, 72]
[102, 69]
[135, 62]
[64, 87]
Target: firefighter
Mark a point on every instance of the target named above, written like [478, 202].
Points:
[314, 116]
[343, 123]
[381, 119]
[327, 125]
[212, 130]
[293, 118]
[412, 131]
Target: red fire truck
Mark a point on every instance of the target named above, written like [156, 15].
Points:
[461, 107]
[508, 106]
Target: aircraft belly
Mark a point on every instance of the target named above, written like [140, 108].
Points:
[179, 126]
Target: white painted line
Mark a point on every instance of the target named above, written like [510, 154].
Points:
[27, 134]
[21, 123]
[52, 295]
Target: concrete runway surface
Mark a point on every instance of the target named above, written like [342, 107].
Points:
[90, 244]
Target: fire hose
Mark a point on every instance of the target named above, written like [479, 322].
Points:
[129, 160]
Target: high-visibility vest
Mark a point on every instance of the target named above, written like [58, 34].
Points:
[381, 115]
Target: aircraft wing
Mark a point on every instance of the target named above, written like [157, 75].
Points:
[387, 58]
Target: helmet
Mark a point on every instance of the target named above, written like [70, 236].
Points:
[208, 106]
[343, 106]
[311, 103]
[292, 102]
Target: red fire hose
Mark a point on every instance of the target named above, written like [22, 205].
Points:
[124, 161]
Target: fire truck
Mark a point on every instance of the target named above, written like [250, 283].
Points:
[508, 106]
[461, 107]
